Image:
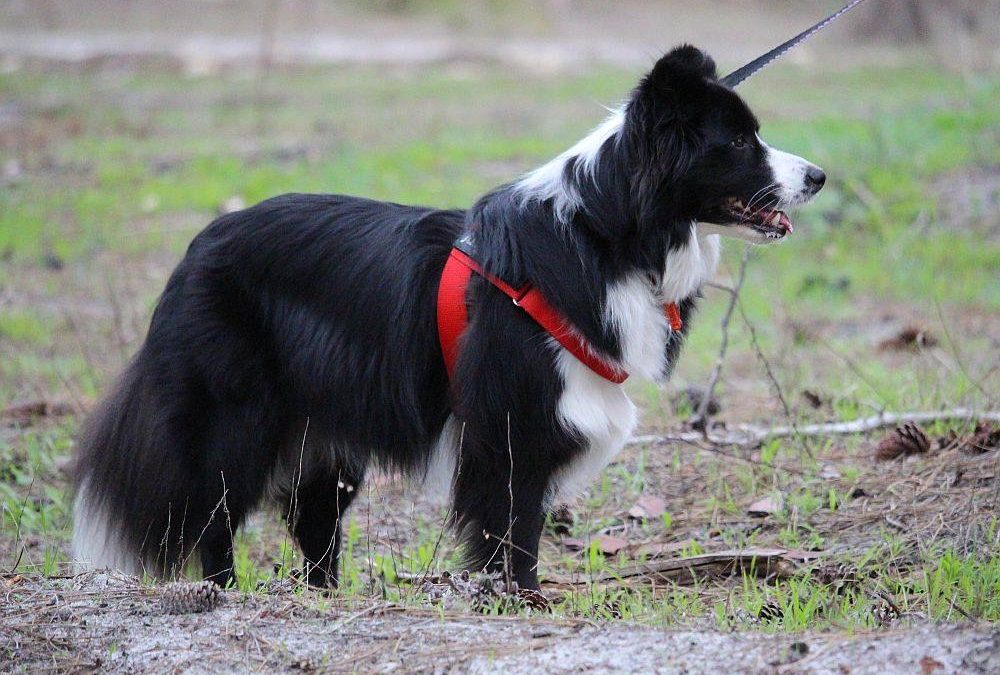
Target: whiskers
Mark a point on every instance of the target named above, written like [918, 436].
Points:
[758, 197]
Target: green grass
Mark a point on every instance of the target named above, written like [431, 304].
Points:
[33, 502]
[24, 327]
[946, 587]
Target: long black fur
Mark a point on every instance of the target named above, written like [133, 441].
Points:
[301, 332]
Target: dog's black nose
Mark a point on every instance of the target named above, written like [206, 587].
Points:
[815, 178]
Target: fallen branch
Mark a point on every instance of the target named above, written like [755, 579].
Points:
[751, 434]
[761, 562]
[25, 412]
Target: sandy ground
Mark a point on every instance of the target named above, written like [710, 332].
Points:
[107, 622]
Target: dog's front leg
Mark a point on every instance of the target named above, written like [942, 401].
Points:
[499, 496]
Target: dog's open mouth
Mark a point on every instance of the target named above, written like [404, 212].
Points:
[772, 223]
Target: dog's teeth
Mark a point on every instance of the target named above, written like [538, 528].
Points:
[739, 204]
[776, 219]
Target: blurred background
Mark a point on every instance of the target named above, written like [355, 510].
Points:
[540, 35]
[127, 125]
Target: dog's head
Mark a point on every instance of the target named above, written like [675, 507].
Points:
[696, 147]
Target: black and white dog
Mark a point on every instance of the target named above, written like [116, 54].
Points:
[295, 346]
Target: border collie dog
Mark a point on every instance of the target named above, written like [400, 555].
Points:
[295, 346]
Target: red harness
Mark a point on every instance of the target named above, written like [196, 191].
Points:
[453, 317]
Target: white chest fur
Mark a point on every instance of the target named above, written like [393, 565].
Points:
[635, 306]
[597, 409]
[600, 410]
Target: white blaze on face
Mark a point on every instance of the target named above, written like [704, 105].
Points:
[789, 172]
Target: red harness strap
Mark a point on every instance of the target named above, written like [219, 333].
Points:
[453, 318]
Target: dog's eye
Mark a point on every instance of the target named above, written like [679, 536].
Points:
[739, 142]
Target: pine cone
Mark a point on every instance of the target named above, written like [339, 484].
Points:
[985, 438]
[905, 440]
[838, 576]
[537, 600]
[187, 598]
[885, 610]
[561, 519]
[770, 611]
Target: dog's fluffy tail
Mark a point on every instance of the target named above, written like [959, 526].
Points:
[121, 482]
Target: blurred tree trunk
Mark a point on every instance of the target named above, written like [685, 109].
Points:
[897, 20]
[963, 32]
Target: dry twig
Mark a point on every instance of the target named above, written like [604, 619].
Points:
[751, 434]
[700, 416]
[764, 562]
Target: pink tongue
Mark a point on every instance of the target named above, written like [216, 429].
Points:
[783, 222]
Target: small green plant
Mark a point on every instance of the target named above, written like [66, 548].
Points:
[24, 327]
[805, 503]
[769, 451]
[692, 549]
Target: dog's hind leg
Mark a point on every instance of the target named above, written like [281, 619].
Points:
[216, 547]
[316, 508]
[239, 452]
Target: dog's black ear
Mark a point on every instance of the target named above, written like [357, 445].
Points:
[679, 75]
[660, 130]
[681, 63]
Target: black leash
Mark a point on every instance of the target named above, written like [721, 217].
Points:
[737, 76]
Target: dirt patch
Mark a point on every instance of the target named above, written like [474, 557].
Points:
[111, 622]
[970, 197]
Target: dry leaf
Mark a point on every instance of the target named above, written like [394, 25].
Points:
[766, 506]
[606, 544]
[910, 338]
[10, 582]
[928, 664]
[812, 398]
[646, 507]
[11, 172]
[609, 545]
